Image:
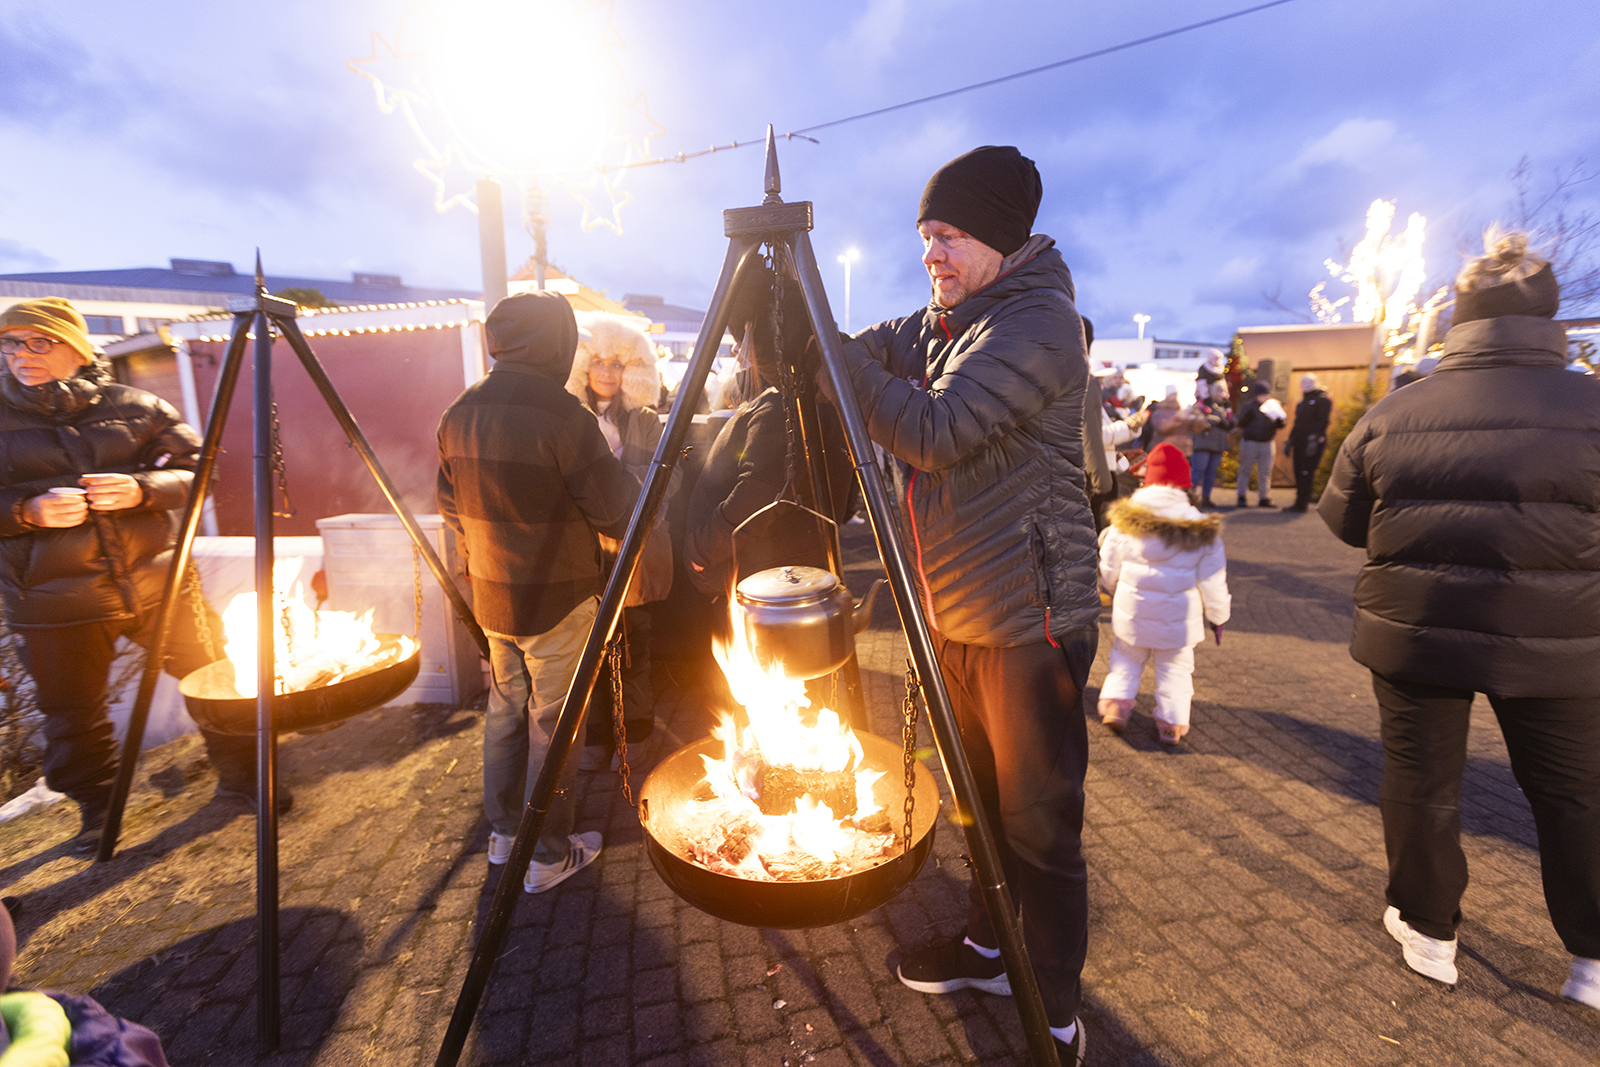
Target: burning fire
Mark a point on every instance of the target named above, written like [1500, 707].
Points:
[788, 801]
[310, 648]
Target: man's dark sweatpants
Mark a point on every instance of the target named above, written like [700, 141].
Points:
[1305, 460]
[1020, 711]
[1555, 754]
[71, 665]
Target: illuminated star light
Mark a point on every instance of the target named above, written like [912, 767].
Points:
[457, 129]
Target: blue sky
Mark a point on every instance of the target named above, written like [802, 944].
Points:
[1183, 179]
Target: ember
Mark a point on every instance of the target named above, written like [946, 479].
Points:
[791, 799]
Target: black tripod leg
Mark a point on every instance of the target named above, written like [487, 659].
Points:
[157, 653]
[358, 440]
[267, 947]
[991, 879]
[742, 251]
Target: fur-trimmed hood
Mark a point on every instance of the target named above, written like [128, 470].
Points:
[1164, 512]
[610, 339]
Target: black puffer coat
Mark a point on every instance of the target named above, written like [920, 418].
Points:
[985, 403]
[114, 564]
[1475, 492]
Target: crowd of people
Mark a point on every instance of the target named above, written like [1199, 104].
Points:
[1473, 492]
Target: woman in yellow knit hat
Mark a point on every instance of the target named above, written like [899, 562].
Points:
[89, 470]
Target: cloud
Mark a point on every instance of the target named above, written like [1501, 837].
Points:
[19, 258]
[50, 79]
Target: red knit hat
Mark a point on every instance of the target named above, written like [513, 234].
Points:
[1167, 466]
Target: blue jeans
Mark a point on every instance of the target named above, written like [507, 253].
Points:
[531, 676]
[1203, 469]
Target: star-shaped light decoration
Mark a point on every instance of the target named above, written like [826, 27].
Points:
[530, 91]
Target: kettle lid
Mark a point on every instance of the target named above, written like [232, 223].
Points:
[787, 585]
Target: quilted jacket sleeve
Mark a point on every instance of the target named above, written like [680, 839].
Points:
[1346, 504]
[1011, 367]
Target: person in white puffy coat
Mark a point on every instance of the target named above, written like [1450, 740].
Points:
[1163, 565]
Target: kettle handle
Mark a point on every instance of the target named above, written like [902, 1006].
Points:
[862, 610]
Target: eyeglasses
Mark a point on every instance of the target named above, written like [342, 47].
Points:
[609, 368]
[37, 345]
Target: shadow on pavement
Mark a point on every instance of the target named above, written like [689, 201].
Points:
[196, 992]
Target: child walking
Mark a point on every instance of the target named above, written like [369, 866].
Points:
[1162, 563]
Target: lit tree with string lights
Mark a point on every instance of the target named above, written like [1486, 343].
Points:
[523, 92]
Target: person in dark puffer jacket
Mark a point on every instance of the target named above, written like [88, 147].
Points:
[89, 471]
[1474, 492]
[526, 480]
[981, 396]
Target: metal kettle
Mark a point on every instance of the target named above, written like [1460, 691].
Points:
[802, 618]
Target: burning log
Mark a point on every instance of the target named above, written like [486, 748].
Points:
[781, 786]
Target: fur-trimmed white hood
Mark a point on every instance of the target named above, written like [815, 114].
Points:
[610, 339]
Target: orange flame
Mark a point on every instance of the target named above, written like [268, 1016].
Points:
[811, 837]
[309, 648]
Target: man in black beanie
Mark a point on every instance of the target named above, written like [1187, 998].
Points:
[981, 396]
[525, 480]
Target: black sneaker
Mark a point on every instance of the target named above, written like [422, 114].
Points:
[92, 811]
[247, 798]
[1265, 504]
[1072, 1055]
[947, 966]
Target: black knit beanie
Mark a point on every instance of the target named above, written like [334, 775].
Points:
[1537, 294]
[534, 327]
[992, 193]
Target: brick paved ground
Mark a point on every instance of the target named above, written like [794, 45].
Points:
[1236, 887]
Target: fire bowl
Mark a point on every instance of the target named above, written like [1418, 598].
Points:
[214, 703]
[782, 905]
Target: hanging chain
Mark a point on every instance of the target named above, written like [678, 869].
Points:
[416, 591]
[197, 605]
[910, 738]
[279, 470]
[617, 724]
[787, 386]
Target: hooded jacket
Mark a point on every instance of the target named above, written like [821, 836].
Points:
[1163, 564]
[112, 566]
[632, 412]
[1311, 416]
[1474, 492]
[984, 402]
[525, 476]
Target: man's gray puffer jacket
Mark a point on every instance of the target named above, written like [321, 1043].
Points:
[984, 402]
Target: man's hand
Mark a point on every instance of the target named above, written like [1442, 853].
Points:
[55, 511]
[609, 545]
[112, 492]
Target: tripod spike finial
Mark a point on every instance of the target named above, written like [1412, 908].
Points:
[774, 184]
[261, 281]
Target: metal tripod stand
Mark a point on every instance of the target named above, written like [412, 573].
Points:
[786, 227]
[257, 316]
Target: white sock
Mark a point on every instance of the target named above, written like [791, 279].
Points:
[986, 953]
[1066, 1033]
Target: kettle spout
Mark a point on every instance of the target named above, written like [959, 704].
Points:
[862, 613]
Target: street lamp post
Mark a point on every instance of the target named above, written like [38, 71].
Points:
[848, 258]
[1141, 320]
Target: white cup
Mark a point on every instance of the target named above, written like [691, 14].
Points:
[68, 491]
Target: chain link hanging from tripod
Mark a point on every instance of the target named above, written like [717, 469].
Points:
[197, 605]
[909, 737]
[280, 472]
[788, 387]
[416, 593]
[614, 653]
